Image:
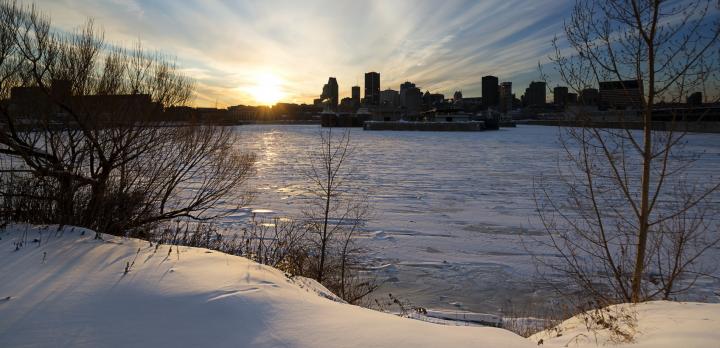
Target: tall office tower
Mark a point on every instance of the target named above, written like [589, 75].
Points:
[560, 95]
[457, 96]
[404, 88]
[330, 93]
[506, 97]
[412, 99]
[372, 88]
[356, 95]
[695, 99]
[589, 96]
[390, 97]
[490, 92]
[405, 85]
[621, 94]
[535, 94]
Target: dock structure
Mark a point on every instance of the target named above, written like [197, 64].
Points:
[467, 126]
[342, 120]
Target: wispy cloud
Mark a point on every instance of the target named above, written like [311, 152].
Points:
[440, 45]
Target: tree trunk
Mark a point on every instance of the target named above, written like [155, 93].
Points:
[644, 202]
[647, 163]
[65, 201]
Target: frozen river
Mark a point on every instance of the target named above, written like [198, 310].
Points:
[450, 209]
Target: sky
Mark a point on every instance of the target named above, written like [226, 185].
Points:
[259, 52]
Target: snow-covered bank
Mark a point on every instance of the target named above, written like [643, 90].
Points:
[67, 289]
[657, 324]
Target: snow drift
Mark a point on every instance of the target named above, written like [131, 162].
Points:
[657, 324]
[67, 289]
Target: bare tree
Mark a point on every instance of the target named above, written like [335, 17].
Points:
[81, 121]
[327, 174]
[336, 213]
[630, 225]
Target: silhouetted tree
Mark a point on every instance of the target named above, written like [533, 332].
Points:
[82, 138]
[336, 213]
[631, 222]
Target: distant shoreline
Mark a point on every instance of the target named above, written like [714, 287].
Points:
[694, 127]
[290, 122]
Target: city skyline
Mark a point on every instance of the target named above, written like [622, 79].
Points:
[262, 53]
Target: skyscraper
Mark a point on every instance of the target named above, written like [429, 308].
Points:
[432, 99]
[589, 96]
[560, 95]
[356, 95]
[535, 94]
[411, 99]
[330, 93]
[390, 97]
[490, 92]
[372, 88]
[405, 85]
[506, 97]
[457, 96]
[695, 99]
[621, 94]
[404, 88]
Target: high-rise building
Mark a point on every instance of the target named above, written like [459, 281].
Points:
[457, 96]
[346, 104]
[535, 94]
[571, 99]
[355, 95]
[432, 99]
[621, 94]
[389, 97]
[695, 99]
[506, 97]
[490, 91]
[589, 96]
[560, 96]
[372, 88]
[330, 93]
[404, 88]
[405, 85]
[411, 98]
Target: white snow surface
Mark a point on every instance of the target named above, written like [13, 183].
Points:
[67, 289]
[659, 324]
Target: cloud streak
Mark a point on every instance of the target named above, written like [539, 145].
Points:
[440, 45]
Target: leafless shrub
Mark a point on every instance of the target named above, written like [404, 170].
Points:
[82, 137]
[620, 322]
[405, 308]
[277, 242]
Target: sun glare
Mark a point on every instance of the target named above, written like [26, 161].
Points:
[267, 89]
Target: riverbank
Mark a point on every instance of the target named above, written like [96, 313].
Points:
[693, 127]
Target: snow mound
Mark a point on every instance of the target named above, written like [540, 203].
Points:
[657, 324]
[67, 289]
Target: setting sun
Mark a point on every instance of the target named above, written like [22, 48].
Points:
[267, 89]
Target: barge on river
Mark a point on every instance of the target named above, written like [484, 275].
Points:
[436, 119]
